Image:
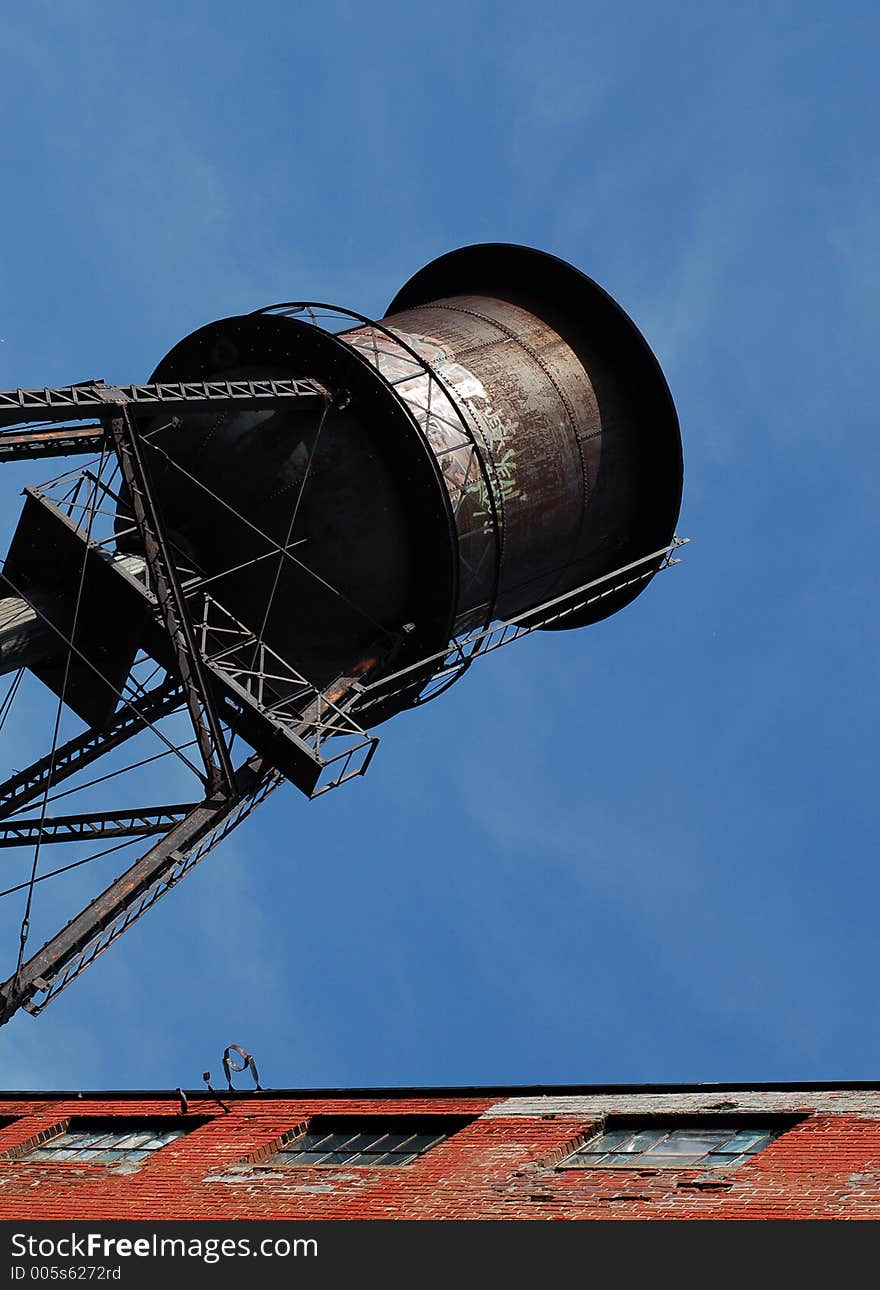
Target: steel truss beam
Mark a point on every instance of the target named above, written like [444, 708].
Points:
[462, 651]
[95, 824]
[43, 775]
[69, 441]
[71, 950]
[79, 402]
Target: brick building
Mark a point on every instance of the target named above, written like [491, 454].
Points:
[674, 1151]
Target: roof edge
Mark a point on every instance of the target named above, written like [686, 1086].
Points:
[449, 1091]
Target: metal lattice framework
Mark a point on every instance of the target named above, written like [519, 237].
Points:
[219, 681]
[217, 671]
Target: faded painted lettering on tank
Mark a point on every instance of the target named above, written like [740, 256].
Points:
[499, 433]
[421, 368]
[426, 400]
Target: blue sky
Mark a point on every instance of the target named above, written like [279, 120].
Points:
[640, 851]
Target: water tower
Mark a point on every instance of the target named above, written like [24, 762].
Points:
[304, 523]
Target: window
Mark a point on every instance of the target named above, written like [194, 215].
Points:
[705, 1143]
[362, 1140]
[108, 1142]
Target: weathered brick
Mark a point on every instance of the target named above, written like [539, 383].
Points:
[504, 1164]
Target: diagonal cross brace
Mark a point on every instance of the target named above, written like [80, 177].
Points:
[87, 935]
[200, 700]
[43, 775]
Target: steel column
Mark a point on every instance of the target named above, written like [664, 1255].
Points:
[175, 612]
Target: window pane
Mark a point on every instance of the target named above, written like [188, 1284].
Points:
[348, 1155]
[422, 1141]
[366, 1142]
[83, 1139]
[336, 1141]
[607, 1141]
[746, 1140]
[690, 1142]
[388, 1142]
[727, 1162]
[643, 1141]
[351, 1142]
[106, 1140]
[311, 1141]
[123, 1140]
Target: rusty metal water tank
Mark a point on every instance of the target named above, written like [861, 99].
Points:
[505, 435]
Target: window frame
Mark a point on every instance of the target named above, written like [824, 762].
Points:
[772, 1124]
[30, 1152]
[373, 1126]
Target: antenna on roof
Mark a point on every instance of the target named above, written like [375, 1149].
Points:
[247, 1063]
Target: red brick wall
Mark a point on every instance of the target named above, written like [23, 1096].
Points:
[502, 1165]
